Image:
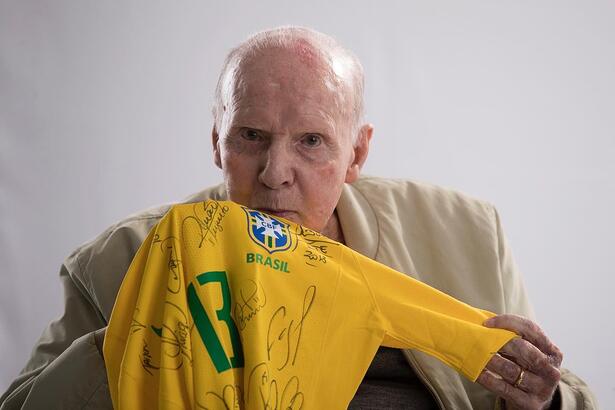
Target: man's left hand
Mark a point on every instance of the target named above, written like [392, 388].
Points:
[525, 372]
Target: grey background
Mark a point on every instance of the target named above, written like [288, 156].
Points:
[105, 110]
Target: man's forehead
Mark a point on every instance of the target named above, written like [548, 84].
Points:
[273, 79]
[293, 87]
[300, 63]
[280, 117]
[299, 78]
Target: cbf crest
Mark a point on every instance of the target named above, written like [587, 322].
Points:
[268, 232]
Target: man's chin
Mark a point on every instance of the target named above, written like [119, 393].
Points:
[283, 213]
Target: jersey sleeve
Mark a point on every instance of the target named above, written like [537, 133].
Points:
[417, 316]
[118, 329]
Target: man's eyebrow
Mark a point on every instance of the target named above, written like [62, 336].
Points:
[240, 127]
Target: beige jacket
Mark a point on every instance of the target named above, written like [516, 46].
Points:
[441, 237]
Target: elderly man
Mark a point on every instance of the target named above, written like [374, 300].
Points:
[289, 138]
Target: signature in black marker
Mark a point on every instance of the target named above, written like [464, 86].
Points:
[252, 299]
[207, 217]
[231, 398]
[147, 360]
[264, 393]
[284, 333]
[175, 338]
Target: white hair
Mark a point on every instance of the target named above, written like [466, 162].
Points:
[343, 66]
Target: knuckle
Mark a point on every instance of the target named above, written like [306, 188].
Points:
[550, 375]
[533, 327]
[556, 375]
[539, 361]
[559, 356]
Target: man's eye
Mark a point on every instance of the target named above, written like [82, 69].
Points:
[250, 135]
[312, 140]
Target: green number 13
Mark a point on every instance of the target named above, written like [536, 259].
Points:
[206, 330]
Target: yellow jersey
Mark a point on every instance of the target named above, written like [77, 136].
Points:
[224, 307]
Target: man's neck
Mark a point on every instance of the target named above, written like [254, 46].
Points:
[333, 229]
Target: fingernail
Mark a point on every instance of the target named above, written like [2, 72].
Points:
[488, 322]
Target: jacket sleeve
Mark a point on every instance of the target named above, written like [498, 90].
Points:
[65, 369]
[572, 392]
[417, 316]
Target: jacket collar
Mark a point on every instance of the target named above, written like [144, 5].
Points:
[358, 221]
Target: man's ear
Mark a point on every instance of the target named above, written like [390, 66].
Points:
[215, 140]
[361, 149]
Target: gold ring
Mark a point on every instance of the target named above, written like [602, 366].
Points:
[519, 378]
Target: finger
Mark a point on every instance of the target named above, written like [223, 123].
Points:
[507, 369]
[510, 372]
[509, 393]
[530, 358]
[529, 331]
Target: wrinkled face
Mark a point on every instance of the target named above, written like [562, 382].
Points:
[287, 147]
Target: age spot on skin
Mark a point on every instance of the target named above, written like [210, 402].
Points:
[306, 52]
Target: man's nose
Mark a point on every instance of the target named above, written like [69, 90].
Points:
[277, 168]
